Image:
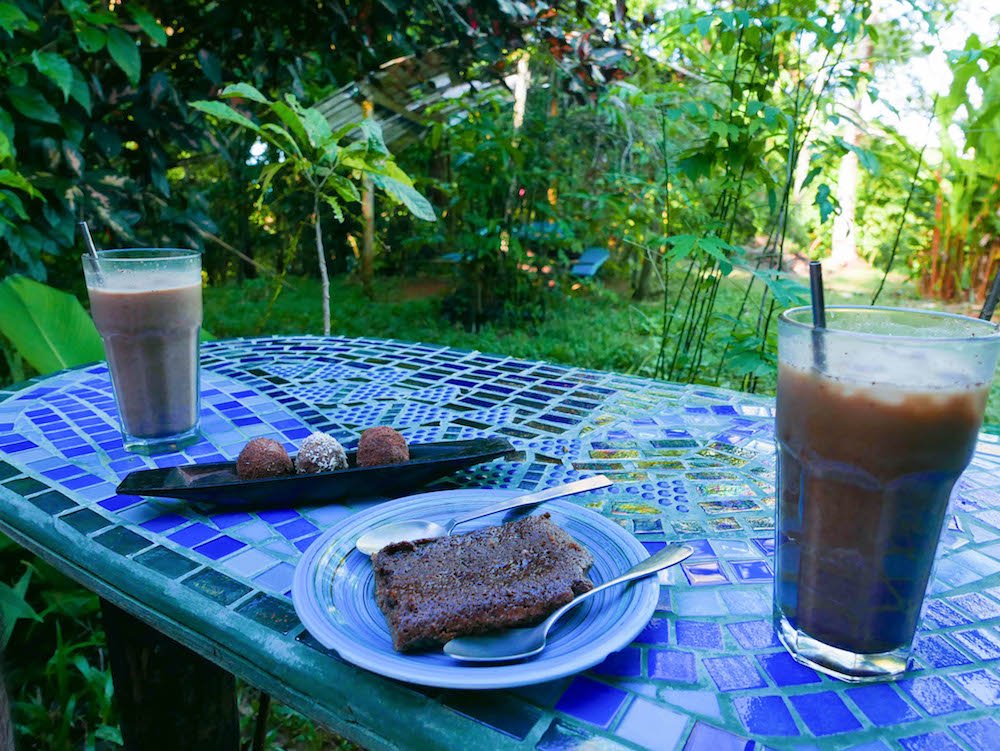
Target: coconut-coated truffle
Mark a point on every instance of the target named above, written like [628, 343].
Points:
[320, 453]
[263, 457]
[382, 445]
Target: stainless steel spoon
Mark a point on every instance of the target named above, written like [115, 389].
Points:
[518, 643]
[419, 529]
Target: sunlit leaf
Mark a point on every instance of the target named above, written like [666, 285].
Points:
[244, 91]
[226, 113]
[346, 189]
[18, 181]
[419, 206]
[49, 328]
[291, 120]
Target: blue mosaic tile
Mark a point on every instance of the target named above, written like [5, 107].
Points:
[752, 571]
[561, 736]
[164, 522]
[929, 742]
[882, 705]
[672, 665]
[512, 718]
[590, 701]
[940, 614]
[627, 662]
[652, 726]
[277, 516]
[704, 737]
[754, 634]
[824, 713]
[979, 642]
[278, 578]
[657, 631]
[981, 684]
[230, 519]
[706, 572]
[295, 529]
[732, 673]
[698, 634]
[765, 715]
[277, 615]
[220, 547]
[937, 652]
[785, 671]
[934, 694]
[977, 605]
[193, 534]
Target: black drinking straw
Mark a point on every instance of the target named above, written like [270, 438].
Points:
[991, 299]
[819, 314]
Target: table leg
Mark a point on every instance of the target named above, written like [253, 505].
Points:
[168, 697]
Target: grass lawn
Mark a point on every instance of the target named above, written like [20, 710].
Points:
[593, 327]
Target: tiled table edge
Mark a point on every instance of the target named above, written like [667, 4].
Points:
[627, 696]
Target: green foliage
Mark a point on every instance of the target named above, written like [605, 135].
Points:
[304, 150]
[14, 607]
[304, 144]
[49, 328]
[72, 98]
[965, 250]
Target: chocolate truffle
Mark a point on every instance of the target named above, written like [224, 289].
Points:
[263, 457]
[320, 453]
[382, 445]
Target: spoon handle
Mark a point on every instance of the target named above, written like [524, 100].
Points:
[579, 486]
[668, 556]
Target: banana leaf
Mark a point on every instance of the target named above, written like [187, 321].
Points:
[48, 328]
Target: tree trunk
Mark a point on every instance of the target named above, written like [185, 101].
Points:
[323, 276]
[646, 287]
[844, 244]
[247, 269]
[368, 244]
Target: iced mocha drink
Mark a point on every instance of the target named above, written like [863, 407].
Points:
[147, 306]
[872, 437]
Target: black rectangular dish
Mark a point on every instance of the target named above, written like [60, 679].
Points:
[217, 484]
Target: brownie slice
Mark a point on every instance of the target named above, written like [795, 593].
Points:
[498, 577]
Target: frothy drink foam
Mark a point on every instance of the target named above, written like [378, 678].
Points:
[865, 474]
[149, 323]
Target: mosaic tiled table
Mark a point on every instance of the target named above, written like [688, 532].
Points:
[689, 463]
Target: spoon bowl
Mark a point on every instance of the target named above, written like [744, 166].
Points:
[520, 643]
[414, 529]
[420, 529]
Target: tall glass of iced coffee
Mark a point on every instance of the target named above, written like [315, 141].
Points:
[877, 417]
[146, 304]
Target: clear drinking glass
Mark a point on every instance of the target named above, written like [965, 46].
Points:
[146, 303]
[877, 416]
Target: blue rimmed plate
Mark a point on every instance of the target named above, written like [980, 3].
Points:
[334, 596]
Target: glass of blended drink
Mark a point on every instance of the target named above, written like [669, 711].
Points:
[877, 417]
[146, 303]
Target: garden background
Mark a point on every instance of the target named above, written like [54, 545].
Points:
[435, 171]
